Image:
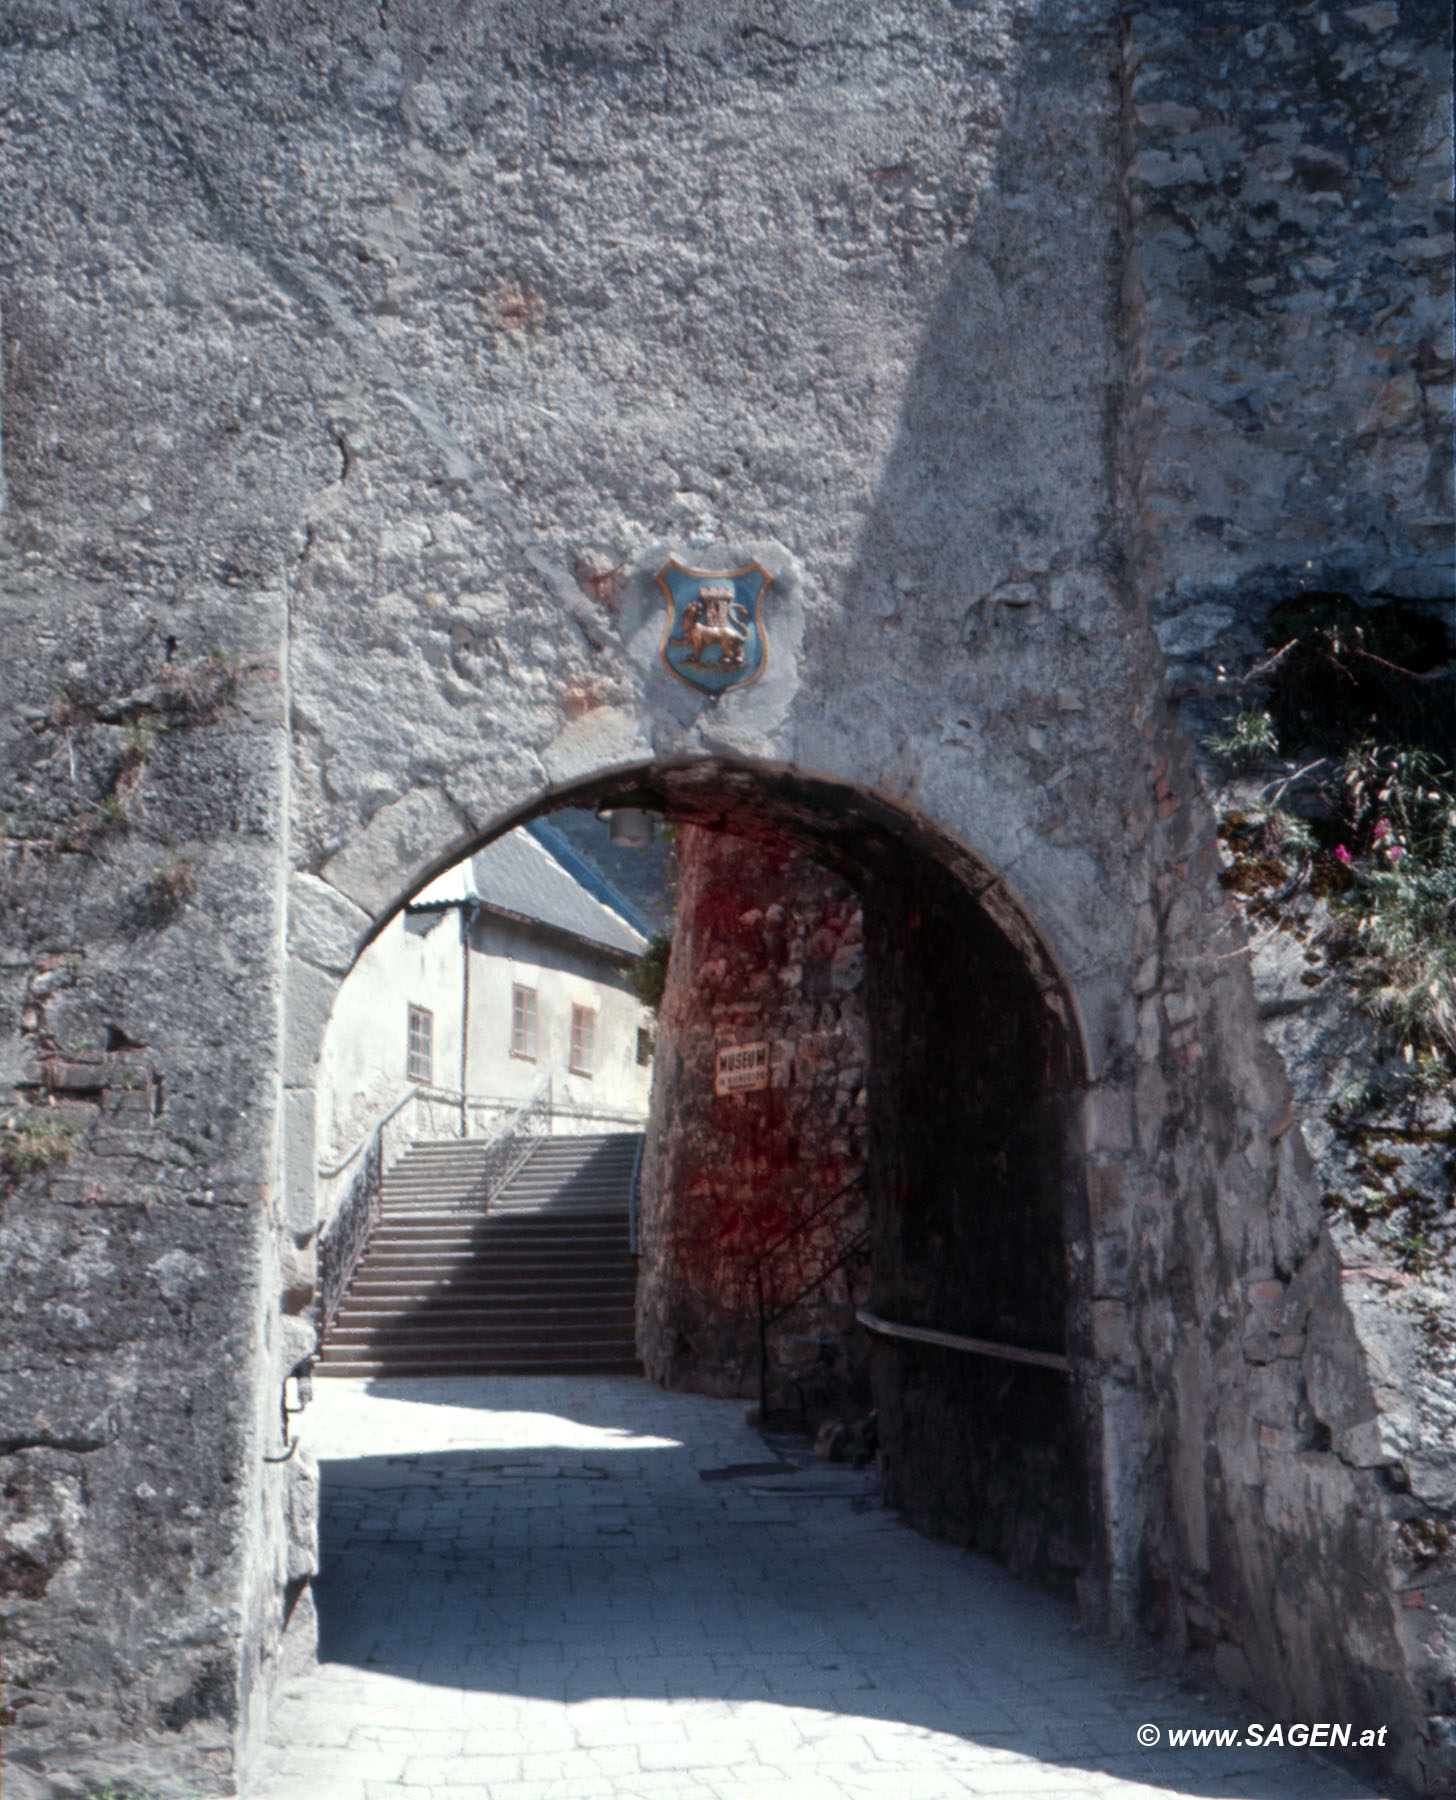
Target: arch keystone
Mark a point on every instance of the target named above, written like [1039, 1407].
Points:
[601, 739]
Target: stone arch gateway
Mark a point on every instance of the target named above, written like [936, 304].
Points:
[977, 1083]
[364, 371]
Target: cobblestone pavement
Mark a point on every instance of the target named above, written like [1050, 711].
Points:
[530, 1592]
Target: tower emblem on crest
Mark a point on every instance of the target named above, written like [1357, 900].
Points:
[714, 638]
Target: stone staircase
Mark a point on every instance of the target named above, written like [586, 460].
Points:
[542, 1282]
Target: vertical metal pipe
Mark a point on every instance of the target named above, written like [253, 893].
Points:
[465, 923]
[762, 1352]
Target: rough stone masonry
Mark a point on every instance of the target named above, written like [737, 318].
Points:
[362, 364]
[756, 1183]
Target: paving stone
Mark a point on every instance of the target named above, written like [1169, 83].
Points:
[718, 1654]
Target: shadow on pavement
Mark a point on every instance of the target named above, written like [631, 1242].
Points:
[586, 1558]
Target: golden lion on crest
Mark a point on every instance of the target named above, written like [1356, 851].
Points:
[715, 617]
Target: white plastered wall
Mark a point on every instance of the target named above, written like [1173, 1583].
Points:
[505, 956]
[415, 961]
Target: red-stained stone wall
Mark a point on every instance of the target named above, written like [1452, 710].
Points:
[769, 948]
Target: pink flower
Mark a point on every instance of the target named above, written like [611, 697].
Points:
[1394, 852]
[1342, 855]
[1382, 829]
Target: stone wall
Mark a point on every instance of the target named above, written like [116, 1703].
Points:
[768, 949]
[1288, 432]
[1287, 294]
[142, 1367]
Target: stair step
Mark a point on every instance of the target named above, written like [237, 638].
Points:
[437, 1363]
[504, 1271]
[467, 1275]
[560, 1271]
[567, 1252]
[618, 1340]
[563, 1249]
[441, 1303]
[508, 1229]
[526, 1325]
[501, 1228]
[600, 1348]
[403, 1348]
[575, 1256]
[526, 1304]
[566, 1259]
[466, 1217]
[540, 1280]
[486, 1242]
[488, 1246]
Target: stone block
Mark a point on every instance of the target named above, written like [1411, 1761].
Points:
[62, 1410]
[1149, 1031]
[1108, 1121]
[1232, 1668]
[389, 856]
[1151, 1100]
[297, 1341]
[607, 737]
[75, 1074]
[299, 1162]
[302, 1478]
[309, 996]
[1112, 1333]
[1181, 1008]
[1109, 1211]
[324, 926]
[1362, 1445]
[298, 1274]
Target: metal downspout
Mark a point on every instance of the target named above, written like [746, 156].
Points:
[465, 924]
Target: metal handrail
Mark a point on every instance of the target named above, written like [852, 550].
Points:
[345, 1238]
[848, 1254]
[851, 1250]
[952, 1340]
[632, 1195]
[414, 1092]
[539, 1100]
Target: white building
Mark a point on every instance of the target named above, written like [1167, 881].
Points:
[507, 974]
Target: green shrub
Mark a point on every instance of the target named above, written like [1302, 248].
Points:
[649, 972]
[1249, 739]
[1399, 811]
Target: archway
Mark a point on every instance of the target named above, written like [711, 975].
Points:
[977, 1305]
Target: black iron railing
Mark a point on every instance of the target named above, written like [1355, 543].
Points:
[848, 1252]
[513, 1141]
[346, 1236]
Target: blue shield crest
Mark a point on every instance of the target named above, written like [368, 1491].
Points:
[714, 638]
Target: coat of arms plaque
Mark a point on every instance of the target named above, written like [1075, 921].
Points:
[714, 638]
